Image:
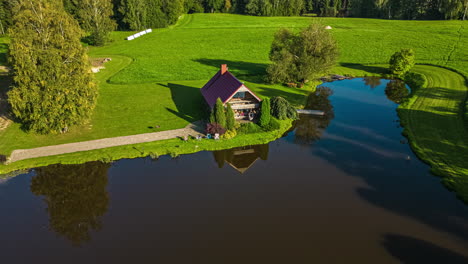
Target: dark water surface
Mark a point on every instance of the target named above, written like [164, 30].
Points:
[344, 188]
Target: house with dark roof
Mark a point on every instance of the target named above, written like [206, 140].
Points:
[231, 91]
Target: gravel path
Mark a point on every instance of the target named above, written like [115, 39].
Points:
[22, 154]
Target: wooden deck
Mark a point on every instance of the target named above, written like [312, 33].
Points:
[310, 112]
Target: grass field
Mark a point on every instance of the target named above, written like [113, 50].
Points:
[154, 80]
[433, 121]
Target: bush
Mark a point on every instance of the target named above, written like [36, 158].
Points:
[215, 128]
[249, 128]
[229, 134]
[402, 61]
[282, 109]
[273, 125]
[415, 80]
[265, 115]
[230, 120]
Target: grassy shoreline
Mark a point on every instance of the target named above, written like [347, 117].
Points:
[172, 147]
[433, 121]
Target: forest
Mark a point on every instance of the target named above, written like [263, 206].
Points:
[140, 14]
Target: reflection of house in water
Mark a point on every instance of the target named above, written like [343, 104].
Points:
[241, 158]
[231, 91]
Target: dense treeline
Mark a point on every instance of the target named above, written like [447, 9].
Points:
[140, 14]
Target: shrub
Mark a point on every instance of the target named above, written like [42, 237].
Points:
[249, 128]
[274, 124]
[212, 117]
[402, 61]
[282, 109]
[230, 120]
[220, 115]
[215, 128]
[265, 115]
[229, 134]
[415, 80]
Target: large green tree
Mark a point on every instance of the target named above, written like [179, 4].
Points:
[402, 61]
[95, 17]
[53, 84]
[300, 57]
[6, 7]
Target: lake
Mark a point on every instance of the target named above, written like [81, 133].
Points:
[343, 188]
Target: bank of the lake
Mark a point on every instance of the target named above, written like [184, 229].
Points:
[433, 120]
[172, 147]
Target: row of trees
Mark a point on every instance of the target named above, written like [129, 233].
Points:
[98, 16]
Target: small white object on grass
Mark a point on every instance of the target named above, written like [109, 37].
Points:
[328, 27]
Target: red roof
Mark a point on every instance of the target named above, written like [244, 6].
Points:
[222, 86]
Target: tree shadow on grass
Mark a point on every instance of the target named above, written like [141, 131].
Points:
[367, 68]
[188, 100]
[248, 71]
[414, 251]
[3, 53]
[296, 99]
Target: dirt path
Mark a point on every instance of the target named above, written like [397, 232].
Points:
[22, 154]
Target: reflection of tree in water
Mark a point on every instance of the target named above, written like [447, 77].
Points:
[309, 128]
[76, 197]
[372, 81]
[396, 91]
[241, 158]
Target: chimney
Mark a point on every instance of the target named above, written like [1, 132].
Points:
[224, 68]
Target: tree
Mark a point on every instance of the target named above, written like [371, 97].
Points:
[265, 115]
[402, 61]
[133, 13]
[76, 198]
[227, 6]
[95, 18]
[53, 85]
[6, 7]
[282, 109]
[214, 5]
[220, 115]
[300, 57]
[230, 120]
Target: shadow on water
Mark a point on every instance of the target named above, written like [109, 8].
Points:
[249, 71]
[188, 100]
[394, 182]
[76, 198]
[415, 251]
[396, 91]
[372, 81]
[309, 128]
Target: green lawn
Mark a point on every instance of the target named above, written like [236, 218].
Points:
[154, 80]
[433, 121]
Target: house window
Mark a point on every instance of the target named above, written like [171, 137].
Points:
[239, 95]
